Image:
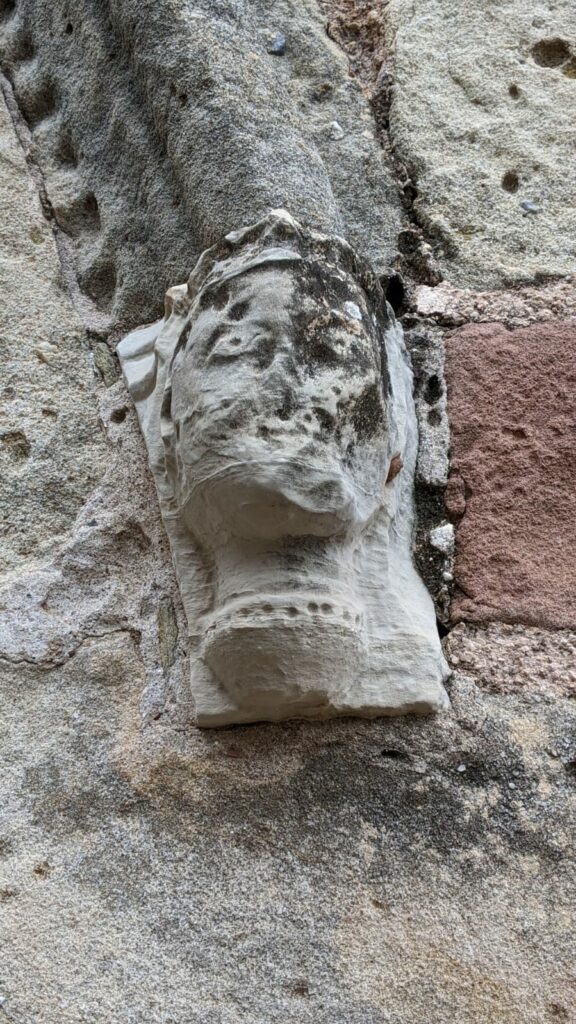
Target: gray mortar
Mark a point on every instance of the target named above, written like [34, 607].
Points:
[426, 347]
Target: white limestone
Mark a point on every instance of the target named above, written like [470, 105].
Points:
[276, 403]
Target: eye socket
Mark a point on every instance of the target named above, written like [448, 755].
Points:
[238, 310]
[229, 346]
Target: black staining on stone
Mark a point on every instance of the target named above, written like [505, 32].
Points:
[328, 424]
[328, 336]
[510, 181]
[367, 413]
[430, 562]
[265, 351]
[287, 407]
[21, 46]
[238, 310]
[320, 353]
[214, 297]
[7, 9]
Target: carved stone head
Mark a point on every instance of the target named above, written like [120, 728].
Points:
[276, 404]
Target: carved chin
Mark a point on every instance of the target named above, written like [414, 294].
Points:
[294, 654]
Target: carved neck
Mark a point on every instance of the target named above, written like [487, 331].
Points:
[314, 577]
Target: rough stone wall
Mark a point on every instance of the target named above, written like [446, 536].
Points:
[341, 873]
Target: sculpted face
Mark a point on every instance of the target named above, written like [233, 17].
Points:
[276, 401]
[278, 408]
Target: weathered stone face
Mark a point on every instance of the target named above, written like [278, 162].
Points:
[278, 411]
[277, 407]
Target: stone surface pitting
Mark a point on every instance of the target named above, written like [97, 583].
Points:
[276, 403]
[160, 127]
[514, 659]
[483, 123]
[511, 488]
[52, 452]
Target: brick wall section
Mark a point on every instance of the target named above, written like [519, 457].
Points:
[512, 487]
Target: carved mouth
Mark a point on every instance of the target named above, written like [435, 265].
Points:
[292, 608]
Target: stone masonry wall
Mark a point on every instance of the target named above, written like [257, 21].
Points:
[387, 872]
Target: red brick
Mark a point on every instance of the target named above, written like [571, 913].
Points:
[512, 491]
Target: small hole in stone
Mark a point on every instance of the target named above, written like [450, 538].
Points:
[510, 182]
[312, 606]
[238, 310]
[395, 292]
[434, 418]
[267, 608]
[91, 203]
[394, 755]
[119, 415]
[336, 391]
[433, 390]
[16, 445]
[551, 53]
[300, 989]
[292, 612]
[183, 99]
[69, 28]
[326, 608]
[514, 91]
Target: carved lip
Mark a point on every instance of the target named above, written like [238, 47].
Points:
[290, 608]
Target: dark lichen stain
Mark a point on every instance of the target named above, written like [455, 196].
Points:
[367, 413]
